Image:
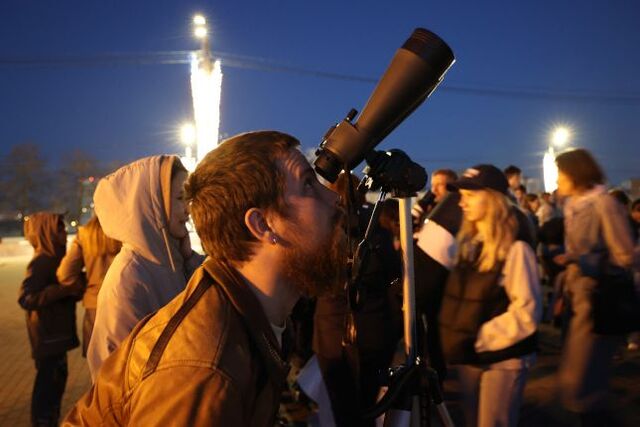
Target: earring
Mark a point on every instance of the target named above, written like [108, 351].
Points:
[274, 238]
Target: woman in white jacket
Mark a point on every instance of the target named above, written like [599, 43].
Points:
[492, 304]
[141, 205]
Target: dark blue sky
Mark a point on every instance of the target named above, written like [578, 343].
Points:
[536, 51]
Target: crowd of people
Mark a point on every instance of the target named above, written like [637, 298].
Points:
[170, 334]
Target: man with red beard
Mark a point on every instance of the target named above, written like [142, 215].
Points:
[213, 356]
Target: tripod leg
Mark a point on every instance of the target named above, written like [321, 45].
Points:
[425, 408]
[437, 396]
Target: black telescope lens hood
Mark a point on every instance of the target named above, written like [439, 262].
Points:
[430, 48]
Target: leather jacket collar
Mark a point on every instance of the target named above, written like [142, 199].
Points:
[247, 305]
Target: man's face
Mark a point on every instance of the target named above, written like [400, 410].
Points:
[311, 234]
[514, 181]
[534, 204]
[439, 186]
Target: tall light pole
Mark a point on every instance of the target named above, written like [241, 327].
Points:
[560, 136]
[206, 85]
[188, 138]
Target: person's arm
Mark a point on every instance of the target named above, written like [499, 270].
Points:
[124, 308]
[190, 396]
[522, 285]
[70, 272]
[181, 396]
[616, 231]
[123, 301]
[36, 290]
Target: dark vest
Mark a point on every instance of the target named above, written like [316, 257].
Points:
[472, 298]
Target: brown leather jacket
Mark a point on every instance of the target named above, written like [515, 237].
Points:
[209, 357]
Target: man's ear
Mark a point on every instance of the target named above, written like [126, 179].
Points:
[256, 222]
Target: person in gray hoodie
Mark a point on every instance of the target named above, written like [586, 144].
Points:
[141, 205]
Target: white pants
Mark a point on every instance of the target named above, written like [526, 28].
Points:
[491, 397]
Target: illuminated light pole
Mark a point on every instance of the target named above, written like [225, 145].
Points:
[559, 138]
[206, 88]
[188, 138]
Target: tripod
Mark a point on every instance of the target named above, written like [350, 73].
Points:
[414, 386]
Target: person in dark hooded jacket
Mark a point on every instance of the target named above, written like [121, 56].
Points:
[51, 321]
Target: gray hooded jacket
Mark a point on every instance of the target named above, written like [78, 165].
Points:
[132, 206]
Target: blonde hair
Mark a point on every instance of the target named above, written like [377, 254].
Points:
[500, 227]
[95, 242]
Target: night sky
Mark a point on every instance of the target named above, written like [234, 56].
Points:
[73, 75]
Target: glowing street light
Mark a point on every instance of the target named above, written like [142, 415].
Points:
[200, 32]
[188, 137]
[550, 171]
[188, 134]
[199, 20]
[560, 136]
[200, 27]
[206, 88]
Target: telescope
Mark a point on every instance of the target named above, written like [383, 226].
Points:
[415, 72]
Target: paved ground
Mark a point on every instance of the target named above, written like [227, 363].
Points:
[541, 406]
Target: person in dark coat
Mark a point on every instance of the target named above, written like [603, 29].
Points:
[51, 321]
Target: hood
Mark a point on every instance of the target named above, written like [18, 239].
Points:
[131, 205]
[41, 230]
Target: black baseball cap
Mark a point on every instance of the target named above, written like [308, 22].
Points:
[481, 177]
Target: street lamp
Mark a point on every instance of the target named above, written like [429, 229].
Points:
[187, 134]
[206, 87]
[200, 30]
[188, 138]
[560, 136]
[199, 20]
